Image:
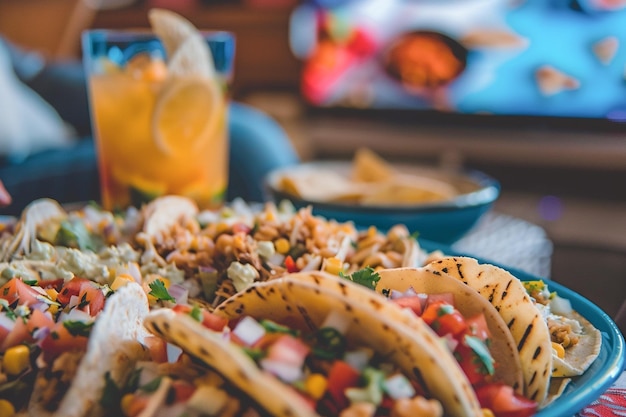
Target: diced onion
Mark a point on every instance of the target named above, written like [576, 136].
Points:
[561, 306]
[285, 371]
[179, 292]
[173, 352]
[6, 322]
[398, 386]
[358, 359]
[338, 321]
[450, 341]
[41, 333]
[249, 331]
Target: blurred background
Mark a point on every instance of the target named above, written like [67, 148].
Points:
[561, 168]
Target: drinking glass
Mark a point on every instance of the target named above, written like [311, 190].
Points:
[160, 128]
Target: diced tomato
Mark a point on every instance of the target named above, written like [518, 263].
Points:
[341, 377]
[56, 284]
[213, 322]
[157, 348]
[288, 349]
[91, 298]
[182, 390]
[444, 318]
[61, 340]
[182, 308]
[209, 320]
[17, 290]
[70, 288]
[290, 265]
[38, 320]
[19, 334]
[241, 228]
[137, 404]
[471, 364]
[477, 326]
[446, 297]
[504, 402]
[411, 302]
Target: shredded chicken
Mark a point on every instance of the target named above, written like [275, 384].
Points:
[562, 333]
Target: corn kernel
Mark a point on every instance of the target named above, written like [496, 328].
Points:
[6, 408]
[16, 359]
[333, 265]
[52, 293]
[560, 351]
[126, 403]
[222, 227]
[315, 385]
[487, 413]
[121, 280]
[53, 309]
[282, 245]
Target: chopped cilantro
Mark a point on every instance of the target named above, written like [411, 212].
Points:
[5, 306]
[78, 328]
[272, 327]
[386, 292]
[367, 277]
[484, 358]
[328, 343]
[445, 310]
[196, 313]
[158, 291]
[84, 302]
[256, 354]
[152, 385]
[112, 394]
[415, 235]
[30, 282]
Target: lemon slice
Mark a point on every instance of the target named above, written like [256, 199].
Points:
[193, 57]
[171, 28]
[186, 111]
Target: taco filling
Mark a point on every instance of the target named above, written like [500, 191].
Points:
[469, 340]
[324, 367]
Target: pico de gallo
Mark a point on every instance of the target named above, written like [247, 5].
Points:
[333, 376]
[468, 338]
[179, 388]
[44, 330]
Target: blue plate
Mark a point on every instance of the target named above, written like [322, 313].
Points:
[605, 370]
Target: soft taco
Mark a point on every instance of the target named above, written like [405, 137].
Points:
[469, 325]
[554, 341]
[62, 343]
[304, 352]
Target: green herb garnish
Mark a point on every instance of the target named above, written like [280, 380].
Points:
[158, 291]
[112, 394]
[367, 277]
[5, 305]
[152, 385]
[78, 328]
[328, 343]
[273, 327]
[485, 360]
[196, 313]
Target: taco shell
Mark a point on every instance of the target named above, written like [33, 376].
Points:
[417, 351]
[113, 348]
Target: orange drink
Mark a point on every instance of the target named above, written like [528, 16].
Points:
[159, 111]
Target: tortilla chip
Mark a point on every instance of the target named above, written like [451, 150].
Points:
[523, 319]
[369, 167]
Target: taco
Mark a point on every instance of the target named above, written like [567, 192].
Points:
[470, 327]
[329, 354]
[554, 341]
[57, 338]
[182, 386]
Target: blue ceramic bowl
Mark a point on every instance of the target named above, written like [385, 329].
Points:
[445, 221]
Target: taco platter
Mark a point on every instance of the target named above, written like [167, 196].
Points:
[271, 264]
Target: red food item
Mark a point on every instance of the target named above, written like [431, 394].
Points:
[61, 340]
[290, 264]
[411, 302]
[17, 290]
[504, 402]
[157, 348]
[288, 349]
[444, 319]
[340, 377]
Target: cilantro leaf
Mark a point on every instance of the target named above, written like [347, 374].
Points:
[112, 394]
[158, 291]
[484, 358]
[7, 309]
[367, 277]
[196, 313]
[78, 328]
